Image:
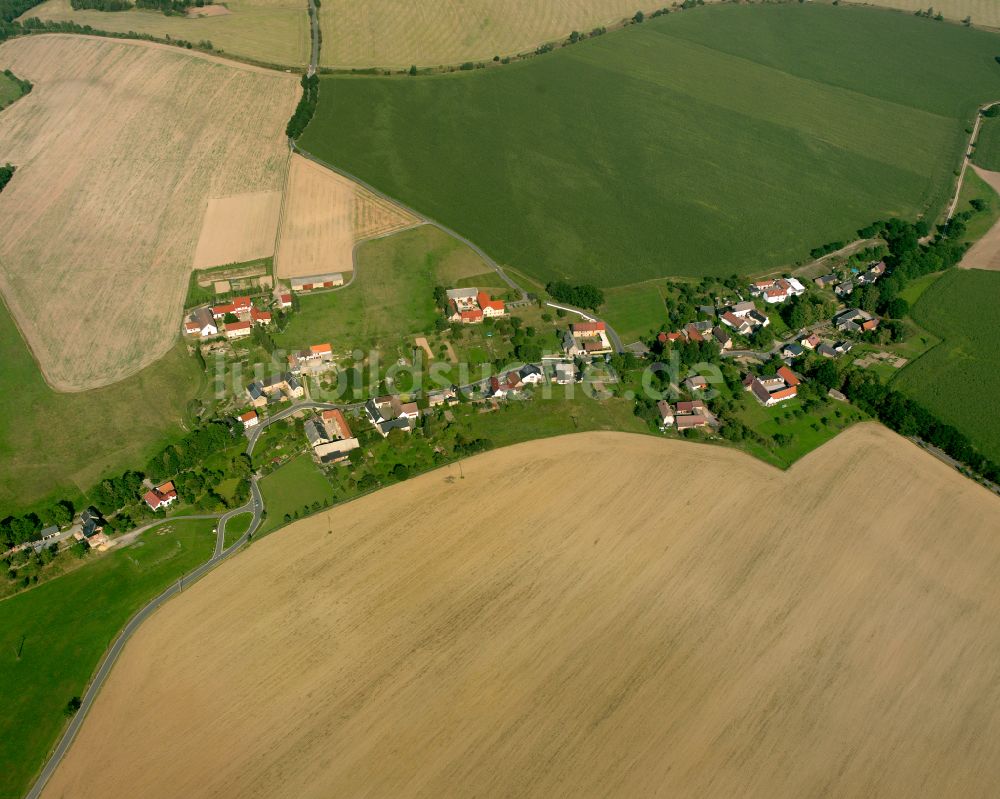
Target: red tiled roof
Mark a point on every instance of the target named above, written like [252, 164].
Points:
[690, 407]
[320, 349]
[784, 393]
[485, 301]
[788, 376]
[588, 327]
[246, 417]
[238, 326]
[473, 315]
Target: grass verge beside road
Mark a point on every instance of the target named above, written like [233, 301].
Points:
[53, 636]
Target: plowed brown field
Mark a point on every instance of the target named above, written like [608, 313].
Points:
[118, 149]
[594, 615]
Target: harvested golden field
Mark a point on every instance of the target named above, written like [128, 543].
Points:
[985, 253]
[984, 13]
[398, 33]
[270, 31]
[118, 148]
[238, 229]
[325, 216]
[594, 615]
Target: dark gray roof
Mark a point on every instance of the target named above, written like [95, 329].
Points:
[255, 389]
[529, 369]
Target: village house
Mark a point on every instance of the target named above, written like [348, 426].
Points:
[240, 307]
[510, 384]
[666, 412]
[740, 324]
[161, 496]
[741, 309]
[339, 441]
[771, 390]
[562, 372]
[854, 320]
[470, 306]
[691, 414]
[844, 289]
[792, 351]
[696, 383]
[201, 323]
[315, 360]
[823, 281]
[778, 290]
[259, 317]
[693, 333]
[250, 419]
[843, 347]
[444, 396]
[284, 301]
[274, 389]
[530, 374]
[313, 282]
[811, 342]
[237, 330]
[390, 413]
[722, 338]
[91, 524]
[588, 339]
[826, 350]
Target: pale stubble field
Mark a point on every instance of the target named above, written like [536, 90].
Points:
[594, 615]
[119, 148]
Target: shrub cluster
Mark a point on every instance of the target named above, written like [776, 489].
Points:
[306, 108]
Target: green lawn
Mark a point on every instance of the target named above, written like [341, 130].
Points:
[391, 297]
[55, 445]
[728, 139]
[975, 188]
[915, 289]
[556, 416]
[788, 419]
[63, 627]
[959, 379]
[635, 311]
[988, 146]
[292, 489]
[10, 90]
[236, 526]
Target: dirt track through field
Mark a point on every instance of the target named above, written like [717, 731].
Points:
[119, 147]
[593, 615]
[325, 215]
[985, 253]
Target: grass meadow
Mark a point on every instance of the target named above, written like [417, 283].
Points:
[10, 90]
[55, 445]
[726, 139]
[291, 489]
[959, 379]
[391, 296]
[52, 637]
[975, 188]
[987, 153]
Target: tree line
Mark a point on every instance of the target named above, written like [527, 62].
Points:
[582, 296]
[306, 107]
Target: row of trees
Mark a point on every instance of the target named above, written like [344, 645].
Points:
[101, 5]
[582, 296]
[306, 108]
[16, 530]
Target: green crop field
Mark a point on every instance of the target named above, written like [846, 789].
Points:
[292, 489]
[959, 379]
[55, 445]
[52, 637]
[720, 140]
[988, 145]
[391, 296]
